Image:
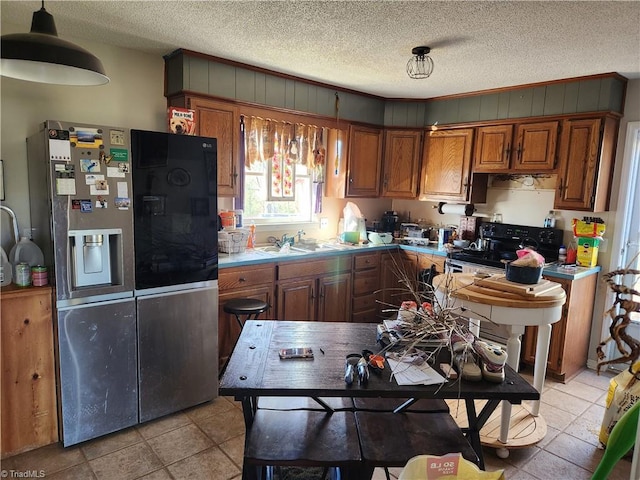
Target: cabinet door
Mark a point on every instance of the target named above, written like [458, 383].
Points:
[30, 416]
[365, 158]
[397, 272]
[228, 328]
[401, 163]
[493, 148]
[535, 147]
[446, 165]
[221, 121]
[579, 146]
[297, 299]
[334, 298]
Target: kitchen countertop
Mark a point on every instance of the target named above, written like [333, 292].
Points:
[257, 256]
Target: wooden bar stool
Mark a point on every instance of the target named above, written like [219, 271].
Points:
[251, 307]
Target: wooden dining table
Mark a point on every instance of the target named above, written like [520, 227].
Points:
[255, 369]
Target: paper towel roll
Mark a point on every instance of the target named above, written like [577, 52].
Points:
[464, 209]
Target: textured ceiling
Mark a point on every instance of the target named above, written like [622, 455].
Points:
[365, 46]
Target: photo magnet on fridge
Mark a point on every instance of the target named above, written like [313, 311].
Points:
[182, 121]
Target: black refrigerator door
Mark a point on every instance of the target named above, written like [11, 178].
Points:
[175, 208]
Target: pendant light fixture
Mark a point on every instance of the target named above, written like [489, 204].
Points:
[40, 56]
[420, 64]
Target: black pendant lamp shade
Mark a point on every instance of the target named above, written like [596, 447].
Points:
[40, 56]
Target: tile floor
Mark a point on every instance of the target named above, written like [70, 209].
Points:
[206, 442]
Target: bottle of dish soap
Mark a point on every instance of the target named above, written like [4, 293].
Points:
[25, 251]
[6, 273]
[550, 220]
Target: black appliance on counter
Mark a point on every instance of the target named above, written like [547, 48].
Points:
[389, 222]
[505, 239]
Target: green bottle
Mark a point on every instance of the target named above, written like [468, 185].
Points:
[622, 438]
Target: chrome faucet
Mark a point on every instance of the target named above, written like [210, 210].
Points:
[300, 234]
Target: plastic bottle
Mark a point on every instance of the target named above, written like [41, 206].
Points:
[562, 255]
[572, 252]
[238, 215]
[25, 251]
[6, 273]
[550, 220]
[251, 242]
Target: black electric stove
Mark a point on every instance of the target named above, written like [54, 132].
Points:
[505, 239]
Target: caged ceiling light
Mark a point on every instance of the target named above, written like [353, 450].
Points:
[40, 56]
[420, 64]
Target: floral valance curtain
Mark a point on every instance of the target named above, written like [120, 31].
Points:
[280, 146]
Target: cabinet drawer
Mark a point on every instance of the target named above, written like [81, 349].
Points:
[243, 277]
[366, 282]
[364, 261]
[364, 303]
[338, 263]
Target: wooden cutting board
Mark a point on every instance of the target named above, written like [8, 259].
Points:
[499, 282]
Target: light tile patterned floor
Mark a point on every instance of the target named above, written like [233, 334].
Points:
[206, 442]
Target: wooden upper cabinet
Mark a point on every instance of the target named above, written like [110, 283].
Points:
[521, 147]
[587, 152]
[446, 165]
[493, 148]
[401, 163]
[364, 161]
[222, 121]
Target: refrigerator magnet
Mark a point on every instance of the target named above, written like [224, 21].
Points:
[101, 202]
[119, 154]
[85, 206]
[101, 187]
[115, 172]
[88, 165]
[122, 203]
[116, 137]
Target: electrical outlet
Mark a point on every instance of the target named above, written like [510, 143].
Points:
[324, 222]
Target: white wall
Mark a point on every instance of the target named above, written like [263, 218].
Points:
[134, 98]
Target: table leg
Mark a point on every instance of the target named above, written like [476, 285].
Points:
[513, 360]
[540, 365]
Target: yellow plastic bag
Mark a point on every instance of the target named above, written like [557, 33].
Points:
[452, 466]
[624, 391]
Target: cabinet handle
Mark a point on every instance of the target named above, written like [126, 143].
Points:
[350, 179]
[242, 279]
[520, 149]
[386, 181]
[507, 151]
[312, 294]
[321, 293]
[234, 176]
[465, 184]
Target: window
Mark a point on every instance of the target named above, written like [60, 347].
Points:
[283, 172]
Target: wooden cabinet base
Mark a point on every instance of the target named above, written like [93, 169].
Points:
[569, 347]
[29, 408]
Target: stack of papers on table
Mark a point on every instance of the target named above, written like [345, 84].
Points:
[410, 374]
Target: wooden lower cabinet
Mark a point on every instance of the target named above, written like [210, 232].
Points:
[366, 285]
[397, 279]
[569, 347]
[241, 282]
[315, 290]
[29, 407]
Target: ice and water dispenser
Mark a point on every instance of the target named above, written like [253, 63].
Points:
[96, 257]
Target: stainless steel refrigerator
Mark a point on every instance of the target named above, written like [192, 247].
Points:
[79, 192]
[176, 270]
[127, 350]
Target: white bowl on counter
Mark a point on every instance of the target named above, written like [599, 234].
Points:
[380, 238]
